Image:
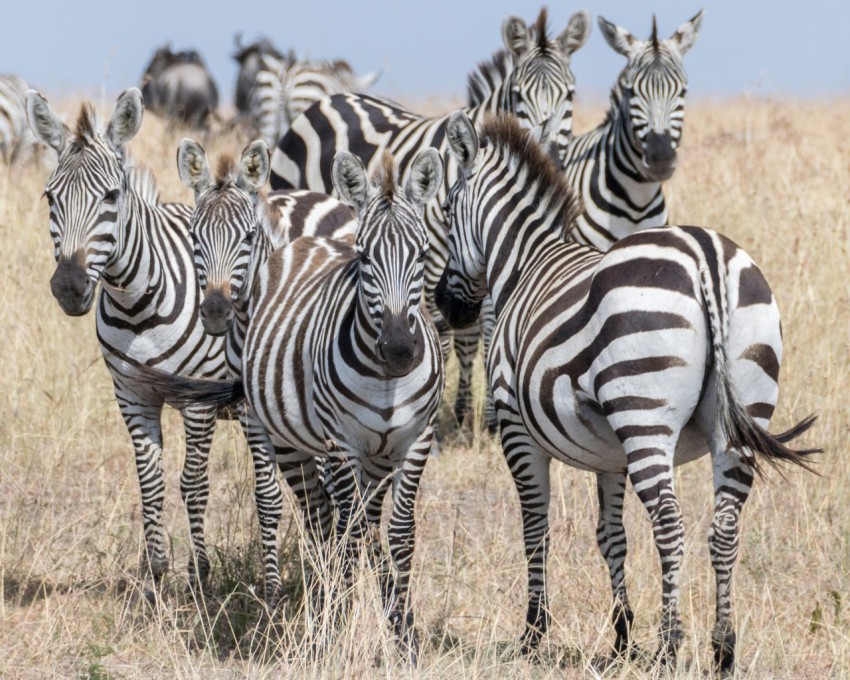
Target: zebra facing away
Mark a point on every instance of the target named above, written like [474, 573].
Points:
[539, 88]
[341, 362]
[109, 227]
[179, 86]
[249, 57]
[283, 89]
[624, 364]
[233, 230]
[619, 167]
[16, 138]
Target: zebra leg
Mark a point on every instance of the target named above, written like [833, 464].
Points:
[199, 425]
[733, 480]
[466, 347]
[402, 539]
[143, 424]
[377, 473]
[302, 475]
[530, 470]
[651, 473]
[488, 324]
[611, 538]
[269, 500]
[348, 497]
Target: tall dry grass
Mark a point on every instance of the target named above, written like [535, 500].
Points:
[773, 175]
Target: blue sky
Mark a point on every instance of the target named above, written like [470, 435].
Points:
[424, 48]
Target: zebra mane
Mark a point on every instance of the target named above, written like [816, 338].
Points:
[540, 29]
[654, 37]
[385, 179]
[225, 171]
[516, 144]
[86, 127]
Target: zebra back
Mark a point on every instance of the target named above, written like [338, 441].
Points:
[284, 89]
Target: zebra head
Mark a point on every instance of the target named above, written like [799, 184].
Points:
[541, 84]
[391, 244]
[462, 287]
[651, 90]
[87, 193]
[224, 225]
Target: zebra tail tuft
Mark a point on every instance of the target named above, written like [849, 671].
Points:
[181, 391]
[743, 433]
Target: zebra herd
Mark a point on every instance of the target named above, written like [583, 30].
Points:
[614, 342]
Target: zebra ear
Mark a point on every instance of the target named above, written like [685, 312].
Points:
[620, 40]
[463, 138]
[44, 123]
[254, 166]
[350, 179]
[576, 32]
[686, 35]
[126, 119]
[515, 35]
[426, 176]
[366, 81]
[192, 165]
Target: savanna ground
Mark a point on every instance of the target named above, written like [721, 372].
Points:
[773, 175]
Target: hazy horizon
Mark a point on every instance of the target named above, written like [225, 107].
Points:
[95, 51]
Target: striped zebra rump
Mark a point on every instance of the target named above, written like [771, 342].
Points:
[625, 364]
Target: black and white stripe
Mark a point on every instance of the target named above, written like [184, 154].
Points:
[283, 89]
[229, 214]
[16, 138]
[538, 89]
[624, 364]
[109, 227]
[341, 362]
[249, 57]
[619, 167]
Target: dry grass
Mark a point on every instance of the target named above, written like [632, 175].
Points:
[774, 176]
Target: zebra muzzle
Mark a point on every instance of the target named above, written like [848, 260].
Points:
[659, 156]
[398, 350]
[456, 310]
[216, 312]
[71, 285]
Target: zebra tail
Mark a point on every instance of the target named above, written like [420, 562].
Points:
[742, 431]
[181, 391]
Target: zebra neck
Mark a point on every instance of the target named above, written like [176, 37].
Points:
[510, 244]
[261, 249]
[498, 100]
[140, 266]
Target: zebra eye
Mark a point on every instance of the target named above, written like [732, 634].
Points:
[364, 258]
[111, 197]
[422, 256]
[49, 197]
[249, 238]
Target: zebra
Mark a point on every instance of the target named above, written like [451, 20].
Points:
[16, 138]
[178, 86]
[624, 364]
[539, 87]
[108, 226]
[229, 214]
[249, 58]
[619, 167]
[342, 362]
[283, 89]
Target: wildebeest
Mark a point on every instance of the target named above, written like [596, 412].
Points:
[178, 85]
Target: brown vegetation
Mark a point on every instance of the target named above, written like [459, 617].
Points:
[772, 175]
